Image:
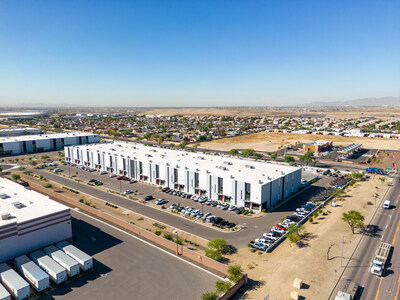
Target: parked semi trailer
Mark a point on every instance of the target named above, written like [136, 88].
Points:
[85, 261]
[70, 264]
[372, 170]
[4, 294]
[349, 292]
[14, 283]
[379, 262]
[32, 273]
[56, 272]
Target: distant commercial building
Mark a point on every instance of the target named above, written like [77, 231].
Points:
[29, 220]
[19, 131]
[44, 142]
[318, 146]
[22, 115]
[241, 182]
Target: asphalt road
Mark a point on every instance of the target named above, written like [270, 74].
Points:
[127, 268]
[253, 228]
[383, 228]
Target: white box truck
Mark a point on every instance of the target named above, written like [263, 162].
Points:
[379, 262]
[14, 283]
[85, 261]
[4, 294]
[70, 264]
[56, 272]
[32, 273]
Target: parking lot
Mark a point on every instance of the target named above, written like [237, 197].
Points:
[127, 268]
[252, 228]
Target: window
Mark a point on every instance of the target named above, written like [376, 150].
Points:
[140, 167]
[176, 175]
[220, 185]
[247, 191]
[157, 171]
[196, 180]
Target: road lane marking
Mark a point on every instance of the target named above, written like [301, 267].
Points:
[397, 229]
[398, 287]
[377, 292]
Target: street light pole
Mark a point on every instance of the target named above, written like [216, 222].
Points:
[341, 257]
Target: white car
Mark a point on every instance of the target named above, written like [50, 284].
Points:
[127, 192]
[132, 181]
[277, 230]
[270, 236]
[103, 172]
[232, 207]
[173, 206]
[52, 164]
[289, 222]
[58, 170]
[161, 201]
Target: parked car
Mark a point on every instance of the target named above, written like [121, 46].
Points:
[113, 175]
[202, 199]
[58, 170]
[223, 223]
[52, 164]
[132, 181]
[179, 209]
[127, 192]
[225, 206]
[149, 197]
[230, 225]
[232, 207]
[217, 220]
[205, 216]
[214, 203]
[238, 211]
[120, 177]
[195, 198]
[258, 246]
[91, 169]
[102, 172]
[98, 182]
[210, 218]
[208, 202]
[161, 201]
[173, 206]
[91, 180]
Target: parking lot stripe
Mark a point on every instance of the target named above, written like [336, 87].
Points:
[150, 244]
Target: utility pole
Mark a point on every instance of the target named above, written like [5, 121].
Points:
[341, 257]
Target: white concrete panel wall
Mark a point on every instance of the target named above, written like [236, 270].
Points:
[14, 147]
[255, 193]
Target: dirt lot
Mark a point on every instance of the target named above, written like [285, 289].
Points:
[309, 262]
[271, 141]
[385, 159]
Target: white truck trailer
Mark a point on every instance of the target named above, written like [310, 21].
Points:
[4, 294]
[56, 272]
[349, 291]
[85, 261]
[70, 264]
[32, 273]
[14, 283]
[379, 262]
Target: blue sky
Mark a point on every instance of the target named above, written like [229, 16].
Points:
[197, 53]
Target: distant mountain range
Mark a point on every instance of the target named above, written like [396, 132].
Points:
[386, 101]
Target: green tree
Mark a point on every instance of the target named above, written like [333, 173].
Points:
[213, 254]
[1, 169]
[44, 157]
[274, 156]
[147, 135]
[222, 286]
[33, 163]
[295, 234]
[248, 152]
[382, 179]
[354, 219]
[15, 177]
[233, 151]
[307, 157]
[235, 273]
[289, 159]
[218, 244]
[209, 296]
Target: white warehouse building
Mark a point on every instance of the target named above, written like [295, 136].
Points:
[19, 131]
[29, 220]
[241, 182]
[44, 142]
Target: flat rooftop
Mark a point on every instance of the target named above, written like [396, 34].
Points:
[319, 142]
[18, 129]
[35, 137]
[244, 170]
[23, 204]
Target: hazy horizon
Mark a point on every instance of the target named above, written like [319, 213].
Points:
[197, 54]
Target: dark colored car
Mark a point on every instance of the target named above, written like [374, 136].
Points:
[217, 220]
[179, 208]
[147, 198]
[238, 211]
[164, 189]
[98, 182]
[120, 177]
[223, 223]
[230, 225]
[92, 180]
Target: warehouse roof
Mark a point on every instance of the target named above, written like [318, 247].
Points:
[244, 170]
[23, 204]
[35, 137]
[18, 129]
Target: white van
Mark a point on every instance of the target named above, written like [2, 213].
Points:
[386, 204]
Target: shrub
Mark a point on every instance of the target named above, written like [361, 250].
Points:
[219, 245]
[140, 219]
[209, 296]
[264, 210]
[44, 157]
[179, 241]
[15, 177]
[157, 232]
[235, 273]
[252, 250]
[168, 237]
[48, 185]
[370, 203]
[213, 254]
[222, 286]
[81, 200]
[310, 219]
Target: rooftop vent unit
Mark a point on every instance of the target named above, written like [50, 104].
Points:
[260, 182]
[3, 196]
[232, 176]
[249, 166]
[5, 216]
[147, 155]
[201, 157]
[227, 163]
[18, 204]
